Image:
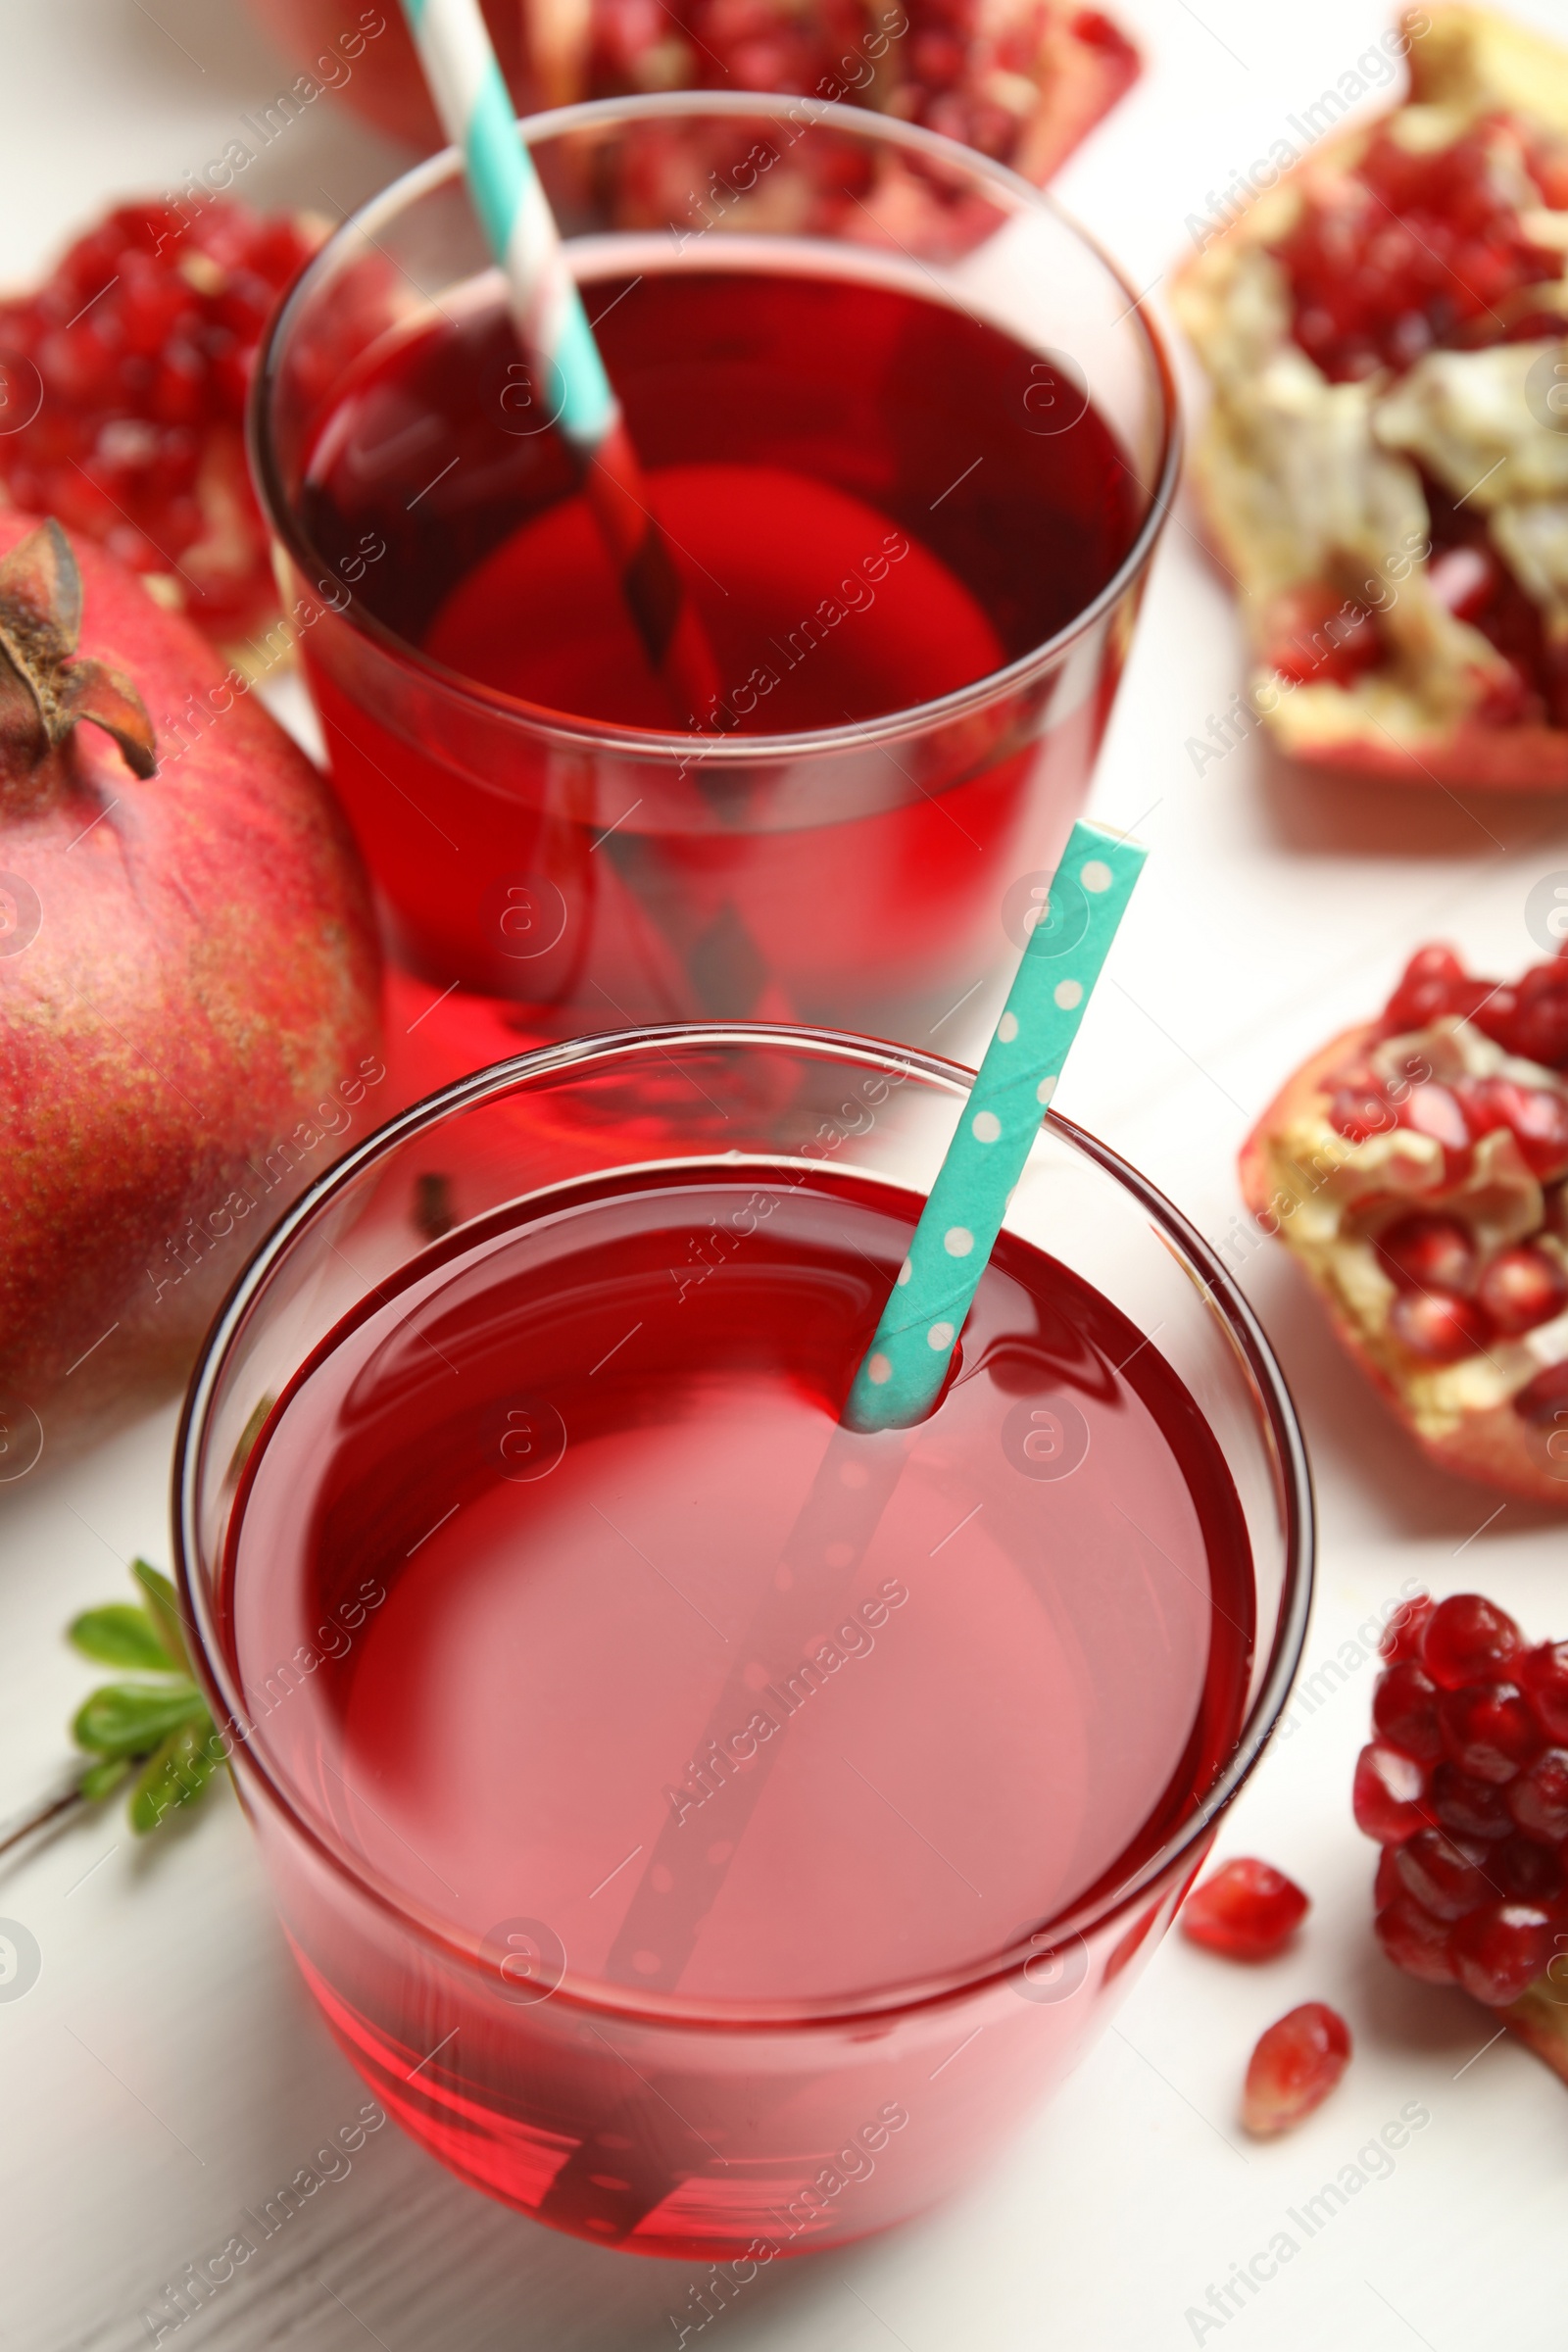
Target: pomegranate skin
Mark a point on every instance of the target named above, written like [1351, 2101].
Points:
[189, 1027]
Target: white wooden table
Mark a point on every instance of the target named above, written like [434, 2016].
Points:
[168, 2069]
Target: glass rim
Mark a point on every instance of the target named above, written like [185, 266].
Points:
[569, 731]
[1280, 1433]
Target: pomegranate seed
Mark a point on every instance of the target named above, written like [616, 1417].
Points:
[1402, 1636]
[1436, 1111]
[1467, 1639]
[1404, 1711]
[1387, 1884]
[1544, 1401]
[1387, 1793]
[1247, 1910]
[1536, 1115]
[1297, 2063]
[1526, 1871]
[1468, 1808]
[1314, 634]
[1414, 1941]
[1488, 1730]
[1537, 1799]
[1443, 1880]
[1500, 1949]
[1465, 579]
[1358, 1113]
[1544, 1678]
[1422, 996]
[1522, 1287]
[1429, 1253]
[1438, 1327]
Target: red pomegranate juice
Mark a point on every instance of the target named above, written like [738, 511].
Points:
[523, 1527]
[872, 504]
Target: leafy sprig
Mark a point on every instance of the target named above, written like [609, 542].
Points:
[158, 1726]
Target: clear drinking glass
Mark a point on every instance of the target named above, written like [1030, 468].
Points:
[561, 875]
[727, 2120]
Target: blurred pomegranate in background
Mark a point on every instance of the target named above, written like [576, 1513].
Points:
[189, 990]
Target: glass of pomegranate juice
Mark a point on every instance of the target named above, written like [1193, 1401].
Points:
[706, 1828]
[911, 438]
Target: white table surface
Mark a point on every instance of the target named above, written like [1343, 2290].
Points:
[167, 2068]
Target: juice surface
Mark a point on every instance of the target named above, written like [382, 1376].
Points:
[851, 477]
[528, 1515]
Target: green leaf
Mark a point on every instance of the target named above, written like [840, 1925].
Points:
[101, 1779]
[176, 1775]
[162, 1606]
[129, 1719]
[121, 1635]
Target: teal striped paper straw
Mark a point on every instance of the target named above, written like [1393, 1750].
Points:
[476, 109]
[906, 1362]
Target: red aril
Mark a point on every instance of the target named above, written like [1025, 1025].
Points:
[1526, 1871]
[1544, 1678]
[1388, 1792]
[1465, 579]
[1315, 634]
[1297, 2063]
[1536, 1115]
[1247, 1910]
[1402, 1635]
[1445, 1881]
[1414, 1941]
[1426, 991]
[1468, 1640]
[1499, 1949]
[1405, 1710]
[1537, 1799]
[1488, 1730]
[1468, 1808]
[1438, 1327]
[1425, 1252]
[1436, 1111]
[1522, 1287]
[1359, 1112]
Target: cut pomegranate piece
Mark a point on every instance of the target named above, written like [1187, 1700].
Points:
[1537, 1799]
[1468, 1640]
[1443, 1879]
[1499, 1949]
[142, 345]
[1430, 1253]
[1405, 1710]
[1415, 1942]
[1388, 1792]
[1248, 1911]
[1488, 1730]
[1297, 2063]
[1522, 1287]
[1438, 1327]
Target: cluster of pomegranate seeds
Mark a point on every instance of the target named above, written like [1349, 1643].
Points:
[1317, 637]
[1448, 1302]
[1465, 1786]
[134, 359]
[1297, 2063]
[1411, 253]
[1248, 1911]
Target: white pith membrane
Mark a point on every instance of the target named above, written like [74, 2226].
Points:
[1344, 1196]
[1306, 482]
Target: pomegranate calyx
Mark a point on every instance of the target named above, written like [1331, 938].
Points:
[45, 688]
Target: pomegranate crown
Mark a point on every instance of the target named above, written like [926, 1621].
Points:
[45, 688]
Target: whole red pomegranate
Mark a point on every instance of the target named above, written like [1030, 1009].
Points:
[189, 990]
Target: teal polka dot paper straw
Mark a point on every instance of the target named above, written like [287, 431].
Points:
[907, 1360]
[470, 97]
